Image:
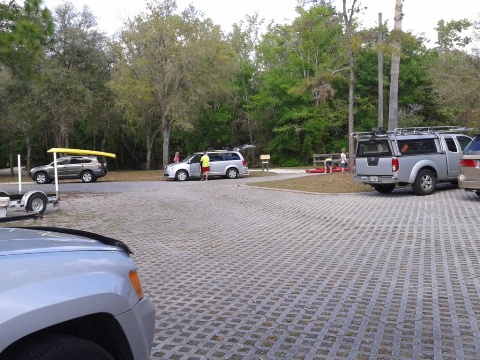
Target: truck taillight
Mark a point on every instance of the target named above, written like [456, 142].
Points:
[244, 163]
[395, 164]
[468, 163]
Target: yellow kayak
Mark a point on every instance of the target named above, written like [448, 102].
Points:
[81, 152]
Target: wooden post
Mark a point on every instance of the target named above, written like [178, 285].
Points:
[380, 74]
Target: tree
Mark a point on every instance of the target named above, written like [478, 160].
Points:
[449, 34]
[74, 75]
[454, 73]
[395, 66]
[348, 18]
[299, 100]
[169, 67]
[24, 33]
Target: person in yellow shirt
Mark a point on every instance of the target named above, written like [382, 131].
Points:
[328, 164]
[205, 164]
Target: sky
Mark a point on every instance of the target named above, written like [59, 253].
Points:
[420, 16]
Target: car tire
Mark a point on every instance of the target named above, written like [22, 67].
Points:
[41, 178]
[55, 347]
[181, 175]
[37, 203]
[87, 177]
[425, 183]
[232, 173]
[384, 189]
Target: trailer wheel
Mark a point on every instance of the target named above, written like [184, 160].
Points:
[37, 203]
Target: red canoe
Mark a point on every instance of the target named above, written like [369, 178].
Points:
[321, 170]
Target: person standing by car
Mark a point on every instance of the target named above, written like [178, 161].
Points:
[343, 160]
[176, 158]
[205, 164]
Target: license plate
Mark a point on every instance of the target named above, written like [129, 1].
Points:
[374, 178]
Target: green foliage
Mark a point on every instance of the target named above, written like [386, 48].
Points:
[171, 81]
[450, 34]
[24, 33]
[169, 66]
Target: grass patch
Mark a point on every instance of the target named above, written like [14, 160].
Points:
[336, 183]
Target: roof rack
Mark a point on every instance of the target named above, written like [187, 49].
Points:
[373, 133]
[430, 129]
[411, 131]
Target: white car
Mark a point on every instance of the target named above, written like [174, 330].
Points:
[68, 294]
[227, 164]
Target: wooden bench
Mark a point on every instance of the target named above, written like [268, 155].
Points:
[265, 159]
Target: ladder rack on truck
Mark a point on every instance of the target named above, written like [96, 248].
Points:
[411, 131]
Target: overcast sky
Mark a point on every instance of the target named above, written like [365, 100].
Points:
[421, 16]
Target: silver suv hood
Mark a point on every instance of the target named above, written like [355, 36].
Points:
[14, 241]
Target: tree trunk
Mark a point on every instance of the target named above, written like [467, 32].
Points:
[380, 75]
[29, 152]
[149, 151]
[166, 141]
[347, 17]
[11, 156]
[395, 70]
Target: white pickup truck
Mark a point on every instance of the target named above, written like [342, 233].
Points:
[420, 157]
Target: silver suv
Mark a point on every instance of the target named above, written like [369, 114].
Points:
[420, 157]
[67, 294]
[86, 168]
[228, 164]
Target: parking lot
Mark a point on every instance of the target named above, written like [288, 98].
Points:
[240, 272]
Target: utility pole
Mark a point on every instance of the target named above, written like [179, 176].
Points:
[380, 73]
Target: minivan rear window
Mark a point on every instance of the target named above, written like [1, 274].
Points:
[474, 147]
[373, 147]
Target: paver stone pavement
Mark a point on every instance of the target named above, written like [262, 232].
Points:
[239, 272]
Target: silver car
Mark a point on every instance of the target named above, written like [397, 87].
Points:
[469, 178]
[70, 294]
[229, 164]
[86, 168]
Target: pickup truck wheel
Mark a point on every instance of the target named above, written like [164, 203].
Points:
[425, 183]
[384, 189]
[37, 203]
[57, 347]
